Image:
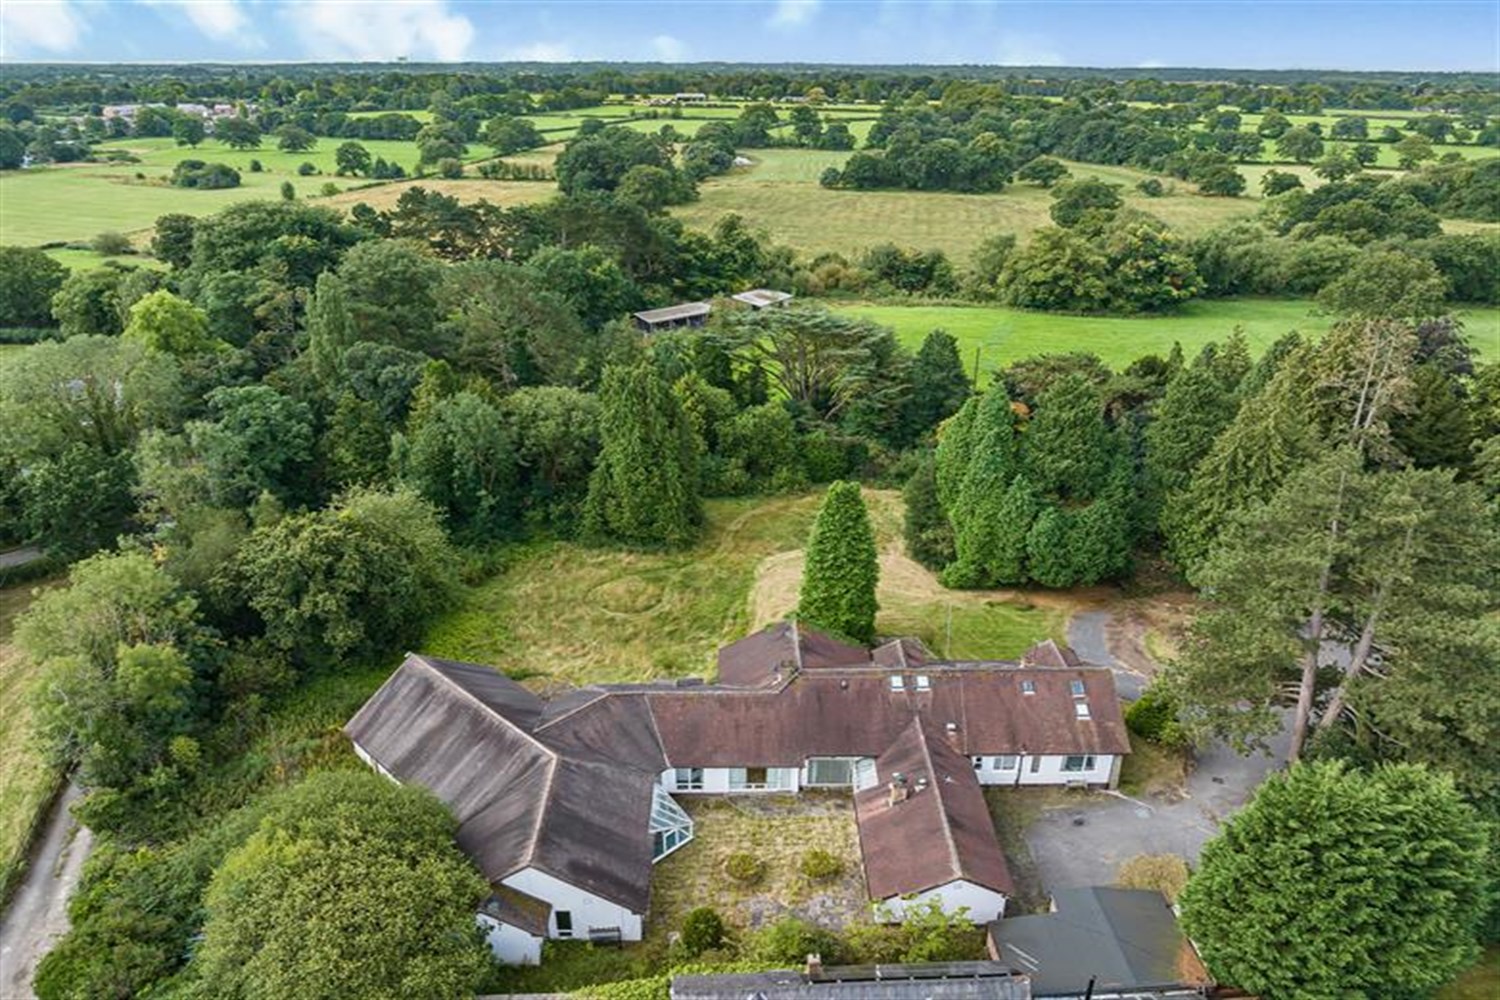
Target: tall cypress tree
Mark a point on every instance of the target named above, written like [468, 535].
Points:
[1194, 411]
[939, 385]
[644, 489]
[1068, 446]
[838, 581]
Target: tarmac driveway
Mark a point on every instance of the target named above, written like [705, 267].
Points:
[1084, 843]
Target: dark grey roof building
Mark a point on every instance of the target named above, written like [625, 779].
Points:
[1115, 941]
[672, 317]
[921, 981]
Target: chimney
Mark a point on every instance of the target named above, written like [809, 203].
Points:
[951, 729]
[814, 969]
[898, 788]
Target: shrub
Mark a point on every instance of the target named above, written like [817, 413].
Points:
[288, 191]
[1151, 188]
[789, 941]
[110, 244]
[744, 867]
[204, 176]
[821, 866]
[1166, 873]
[450, 168]
[1154, 717]
[306, 169]
[330, 189]
[702, 930]
[255, 167]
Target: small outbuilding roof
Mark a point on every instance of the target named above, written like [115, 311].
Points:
[926, 824]
[1120, 939]
[674, 314]
[759, 298]
[925, 981]
[519, 910]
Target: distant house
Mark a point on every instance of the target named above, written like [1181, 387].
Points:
[1104, 941]
[690, 97]
[763, 298]
[565, 804]
[918, 981]
[672, 317]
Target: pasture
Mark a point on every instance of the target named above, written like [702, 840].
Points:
[1001, 335]
[781, 195]
[73, 202]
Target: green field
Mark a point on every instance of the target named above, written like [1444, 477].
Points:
[780, 195]
[78, 201]
[1002, 335]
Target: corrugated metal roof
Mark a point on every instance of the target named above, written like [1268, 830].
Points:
[668, 314]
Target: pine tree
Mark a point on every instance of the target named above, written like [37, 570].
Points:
[1193, 412]
[1438, 431]
[939, 385]
[1069, 450]
[1047, 549]
[644, 488]
[1293, 898]
[838, 580]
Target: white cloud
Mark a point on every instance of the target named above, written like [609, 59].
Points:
[543, 52]
[668, 49]
[31, 25]
[1025, 49]
[793, 13]
[221, 20]
[375, 30]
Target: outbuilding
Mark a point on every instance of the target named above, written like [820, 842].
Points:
[672, 317]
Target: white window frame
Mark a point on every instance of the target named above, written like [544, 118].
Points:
[924, 683]
[1006, 762]
[557, 918]
[1086, 762]
[1081, 710]
[1028, 687]
[898, 683]
[1077, 688]
[694, 782]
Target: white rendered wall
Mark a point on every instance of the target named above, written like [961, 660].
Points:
[360, 752]
[1049, 771]
[588, 910]
[716, 782]
[983, 904]
[510, 945]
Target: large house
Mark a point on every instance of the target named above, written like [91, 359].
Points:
[565, 803]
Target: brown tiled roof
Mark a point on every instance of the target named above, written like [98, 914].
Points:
[1048, 653]
[782, 648]
[940, 833]
[853, 711]
[906, 651]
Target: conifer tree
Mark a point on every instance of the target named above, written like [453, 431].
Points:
[1438, 431]
[644, 488]
[1293, 898]
[991, 536]
[929, 535]
[1069, 449]
[955, 447]
[939, 385]
[1193, 412]
[1047, 552]
[838, 581]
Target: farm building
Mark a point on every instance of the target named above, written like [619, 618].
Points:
[1103, 941]
[672, 317]
[763, 298]
[565, 804]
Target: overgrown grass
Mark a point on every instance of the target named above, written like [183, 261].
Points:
[1153, 770]
[576, 615]
[1482, 982]
[776, 830]
[27, 783]
[1013, 810]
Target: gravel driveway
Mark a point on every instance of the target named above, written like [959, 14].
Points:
[38, 913]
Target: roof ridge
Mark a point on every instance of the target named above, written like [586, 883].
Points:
[552, 754]
[541, 813]
[797, 643]
[935, 784]
[600, 693]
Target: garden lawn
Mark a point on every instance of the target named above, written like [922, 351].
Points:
[27, 783]
[560, 612]
[1002, 335]
[781, 195]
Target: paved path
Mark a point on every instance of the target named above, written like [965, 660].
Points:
[11, 558]
[38, 912]
[1087, 636]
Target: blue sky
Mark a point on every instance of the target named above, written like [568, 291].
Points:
[1251, 34]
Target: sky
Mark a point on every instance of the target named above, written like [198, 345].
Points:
[1237, 34]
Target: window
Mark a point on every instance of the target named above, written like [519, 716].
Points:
[1081, 709]
[835, 772]
[670, 827]
[1028, 687]
[1036, 764]
[1007, 762]
[1077, 689]
[864, 773]
[748, 779]
[689, 779]
[1078, 762]
[564, 923]
[898, 683]
[923, 682]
